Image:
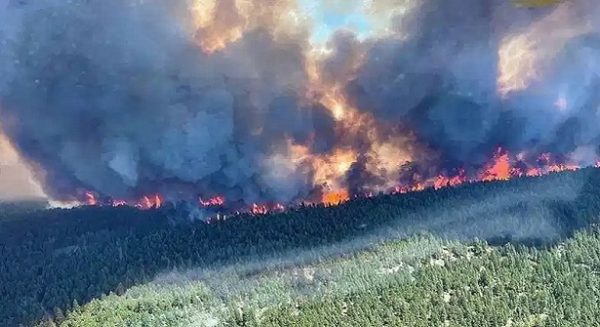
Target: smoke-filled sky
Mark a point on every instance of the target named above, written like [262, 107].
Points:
[280, 101]
[16, 180]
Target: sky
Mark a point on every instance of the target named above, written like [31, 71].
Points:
[331, 15]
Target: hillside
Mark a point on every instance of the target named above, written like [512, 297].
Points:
[525, 252]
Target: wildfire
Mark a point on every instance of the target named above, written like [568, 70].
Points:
[499, 169]
[367, 144]
[532, 172]
[443, 181]
[218, 23]
[212, 202]
[90, 199]
[263, 209]
[279, 207]
[119, 203]
[257, 209]
[359, 141]
[150, 202]
[214, 29]
[334, 198]
[517, 64]
[330, 169]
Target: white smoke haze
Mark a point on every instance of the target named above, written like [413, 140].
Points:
[204, 98]
[16, 179]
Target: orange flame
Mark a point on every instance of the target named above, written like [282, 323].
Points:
[534, 172]
[90, 199]
[499, 169]
[150, 202]
[212, 202]
[443, 181]
[334, 198]
[257, 209]
[279, 207]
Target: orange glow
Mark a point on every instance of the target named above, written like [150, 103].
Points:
[330, 168]
[146, 202]
[150, 202]
[279, 207]
[379, 148]
[218, 23]
[443, 181]
[263, 209]
[556, 168]
[403, 189]
[517, 64]
[256, 209]
[522, 56]
[90, 199]
[213, 33]
[212, 202]
[333, 198]
[499, 168]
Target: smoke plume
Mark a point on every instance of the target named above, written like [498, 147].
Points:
[188, 99]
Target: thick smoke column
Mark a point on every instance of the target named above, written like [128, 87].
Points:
[205, 98]
[470, 75]
[117, 97]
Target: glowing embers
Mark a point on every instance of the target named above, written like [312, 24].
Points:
[335, 197]
[216, 201]
[263, 209]
[90, 199]
[150, 202]
[499, 168]
[119, 203]
[145, 203]
[444, 181]
[219, 202]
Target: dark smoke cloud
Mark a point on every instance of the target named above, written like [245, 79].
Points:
[116, 97]
[438, 71]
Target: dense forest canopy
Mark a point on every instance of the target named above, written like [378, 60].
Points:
[58, 266]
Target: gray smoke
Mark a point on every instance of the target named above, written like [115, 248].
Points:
[438, 73]
[114, 96]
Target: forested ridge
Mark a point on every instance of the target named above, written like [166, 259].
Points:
[525, 252]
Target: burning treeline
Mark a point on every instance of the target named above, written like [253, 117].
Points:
[231, 103]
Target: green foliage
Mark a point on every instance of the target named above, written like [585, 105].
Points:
[316, 266]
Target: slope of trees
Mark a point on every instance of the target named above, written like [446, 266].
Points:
[422, 281]
[61, 266]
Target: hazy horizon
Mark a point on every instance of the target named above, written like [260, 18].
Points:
[16, 179]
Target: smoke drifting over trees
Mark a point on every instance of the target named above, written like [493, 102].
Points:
[189, 98]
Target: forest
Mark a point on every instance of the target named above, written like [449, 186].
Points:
[524, 252]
